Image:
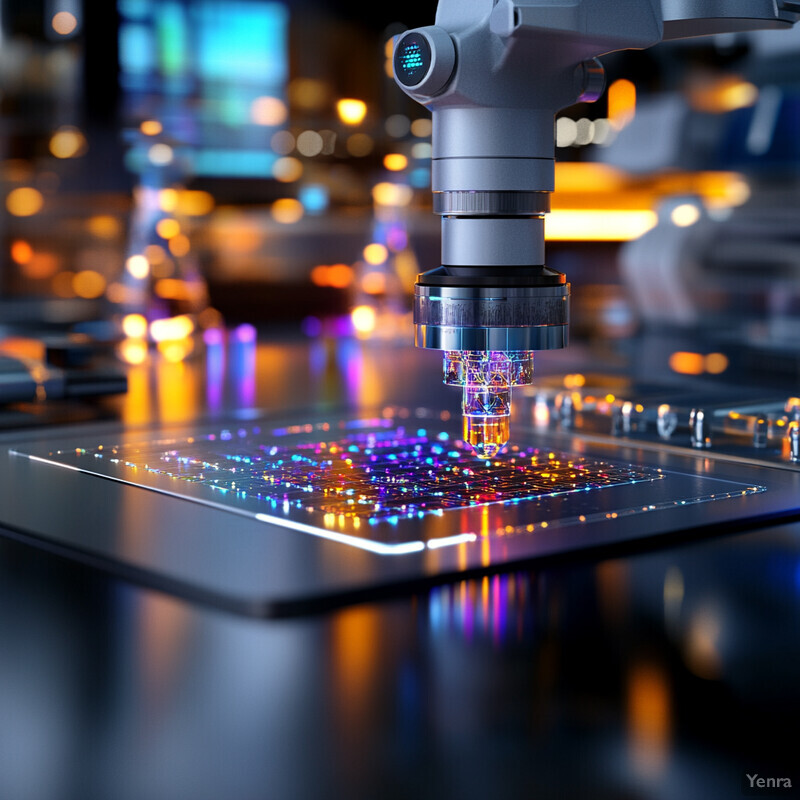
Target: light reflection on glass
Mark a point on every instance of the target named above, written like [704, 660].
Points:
[215, 368]
[649, 719]
[243, 365]
[494, 606]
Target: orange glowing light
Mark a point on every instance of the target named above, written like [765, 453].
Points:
[179, 245]
[62, 284]
[340, 276]
[168, 199]
[24, 201]
[172, 289]
[721, 96]
[67, 142]
[176, 351]
[155, 253]
[132, 351]
[287, 210]
[134, 326]
[119, 293]
[308, 93]
[319, 275]
[687, 363]
[151, 127]
[374, 283]
[621, 103]
[649, 719]
[598, 225]
[375, 254]
[392, 194]
[716, 363]
[41, 265]
[103, 226]
[21, 251]
[422, 127]
[167, 228]
[351, 111]
[395, 162]
[88, 284]
[287, 169]
[574, 381]
[195, 202]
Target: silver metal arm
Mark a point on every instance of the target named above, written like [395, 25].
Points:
[494, 73]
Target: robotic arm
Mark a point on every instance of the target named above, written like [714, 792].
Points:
[494, 73]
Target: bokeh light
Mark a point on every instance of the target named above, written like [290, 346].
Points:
[138, 266]
[64, 23]
[397, 125]
[363, 319]
[133, 351]
[375, 253]
[151, 127]
[24, 201]
[395, 162]
[160, 154]
[67, 142]
[374, 283]
[360, 145]
[268, 111]
[422, 127]
[171, 328]
[392, 194]
[168, 227]
[351, 111]
[282, 143]
[310, 143]
[134, 326]
[103, 226]
[287, 169]
[287, 210]
[179, 245]
[21, 251]
[308, 94]
[88, 284]
[685, 215]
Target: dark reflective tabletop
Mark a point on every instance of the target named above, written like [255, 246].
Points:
[664, 673]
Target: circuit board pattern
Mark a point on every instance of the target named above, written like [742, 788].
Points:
[374, 475]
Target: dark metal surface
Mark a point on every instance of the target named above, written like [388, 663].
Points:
[660, 673]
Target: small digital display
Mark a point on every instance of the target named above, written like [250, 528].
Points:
[412, 59]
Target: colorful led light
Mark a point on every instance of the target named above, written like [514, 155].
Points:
[487, 379]
[371, 475]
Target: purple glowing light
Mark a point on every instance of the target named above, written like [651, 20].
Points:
[246, 333]
[213, 337]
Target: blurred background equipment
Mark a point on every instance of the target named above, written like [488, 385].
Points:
[174, 168]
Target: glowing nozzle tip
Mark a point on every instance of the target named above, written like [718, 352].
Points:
[487, 436]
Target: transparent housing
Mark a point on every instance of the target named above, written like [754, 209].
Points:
[487, 379]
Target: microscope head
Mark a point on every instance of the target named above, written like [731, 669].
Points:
[494, 74]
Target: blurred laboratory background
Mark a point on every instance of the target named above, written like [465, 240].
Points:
[173, 170]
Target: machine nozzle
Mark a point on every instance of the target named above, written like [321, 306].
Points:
[487, 378]
[487, 436]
